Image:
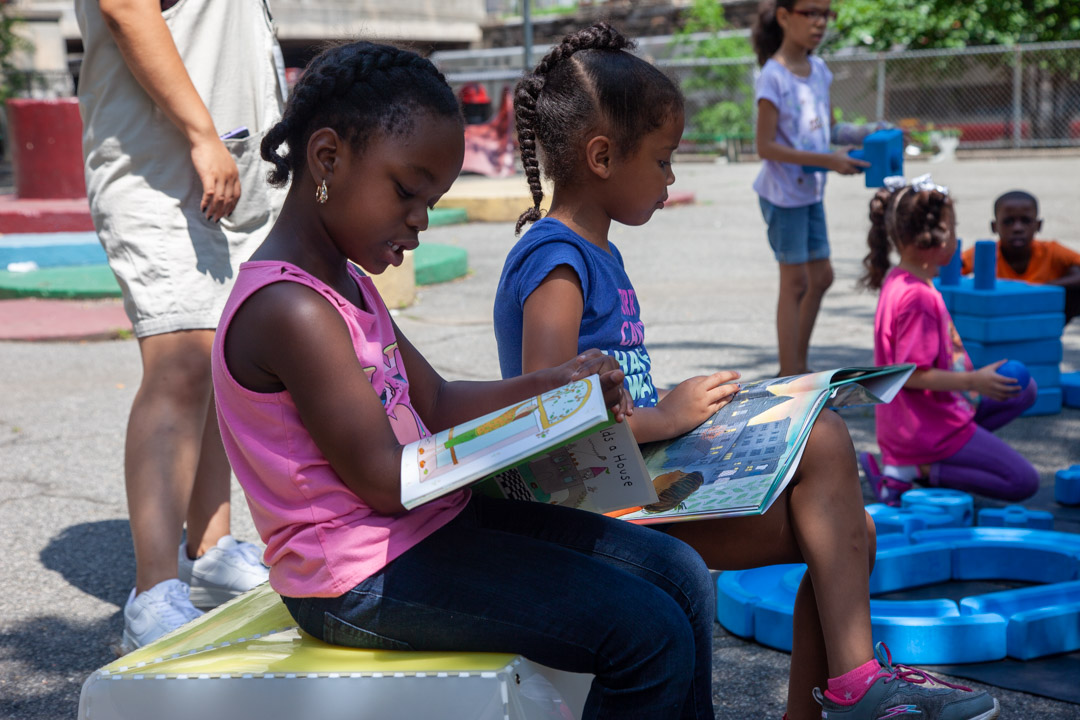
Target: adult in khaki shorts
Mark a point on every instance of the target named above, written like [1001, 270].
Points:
[177, 208]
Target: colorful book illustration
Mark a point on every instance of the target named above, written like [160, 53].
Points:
[561, 447]
[739, 461]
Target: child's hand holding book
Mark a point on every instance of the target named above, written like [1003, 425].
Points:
[594, 362]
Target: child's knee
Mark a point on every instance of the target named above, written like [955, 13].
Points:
[1025, 483]
[830, 433]
[821, 279]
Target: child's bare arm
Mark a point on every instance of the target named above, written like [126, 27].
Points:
[686, 406]
[443, 404]
[769, 149]
[551, 321]
[1071, 278]
[286, 336]
[984, 381]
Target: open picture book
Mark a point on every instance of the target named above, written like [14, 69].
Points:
[739, 461]
[561, 447]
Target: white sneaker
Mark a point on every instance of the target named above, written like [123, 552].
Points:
[223, 572]
[159, 610]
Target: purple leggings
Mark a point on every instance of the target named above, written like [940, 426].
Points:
[986, 465]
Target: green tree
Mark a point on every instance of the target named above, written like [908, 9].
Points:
[927, 24]
[12, 79]
[729, 79]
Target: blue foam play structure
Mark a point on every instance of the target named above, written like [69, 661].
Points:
[1067, 486]
[1008, 320]
[890, 520]
[958, 504]
[1016, 516]
[1070, 389]
[884, 150]
[1025, 623]
[1045, 351]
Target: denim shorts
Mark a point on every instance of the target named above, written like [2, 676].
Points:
[797, 235]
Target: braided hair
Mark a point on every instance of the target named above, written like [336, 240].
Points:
[903, 217]
[356, 89]
[586, 83]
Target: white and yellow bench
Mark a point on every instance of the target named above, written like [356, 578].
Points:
[247, 659]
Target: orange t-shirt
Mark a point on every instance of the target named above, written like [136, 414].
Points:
[1050, 260]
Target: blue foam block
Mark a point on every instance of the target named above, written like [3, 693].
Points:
[956, 503]
[890, 520]
[948, 289]
[914, 566]
[1010, 602]
[949, 275]
[942, 640]
[985, 264]
[1070, 389]
[1028, 562]
[1016, 516]
[1068, 542]
[1009, 297]
[738, 593]
[892, 540]
[773, 620]
[1009, 328]
[1048, 402]
[1045, 631]
[884, 150]
[938, 607]
[1044, 351]
[1067, 486]
[1046, 375]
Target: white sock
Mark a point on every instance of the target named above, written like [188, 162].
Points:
[907, 473]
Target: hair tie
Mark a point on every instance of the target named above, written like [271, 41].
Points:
[897, 185]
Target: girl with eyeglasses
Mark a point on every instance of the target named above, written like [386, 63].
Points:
[795, 129]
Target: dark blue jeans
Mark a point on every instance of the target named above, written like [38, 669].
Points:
[565, 588]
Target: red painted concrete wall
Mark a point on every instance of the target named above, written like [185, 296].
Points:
[46, 148]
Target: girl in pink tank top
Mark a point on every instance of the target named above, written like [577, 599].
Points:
[317, 390]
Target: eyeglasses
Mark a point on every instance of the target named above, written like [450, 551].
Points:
[817, 15]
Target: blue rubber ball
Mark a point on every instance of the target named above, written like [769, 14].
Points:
[1016, 369]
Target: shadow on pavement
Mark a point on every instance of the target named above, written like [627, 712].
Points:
[96, 557]
[57, 652]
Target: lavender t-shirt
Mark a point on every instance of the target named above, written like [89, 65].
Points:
[803, 124]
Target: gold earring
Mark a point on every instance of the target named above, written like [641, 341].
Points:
[320, 193]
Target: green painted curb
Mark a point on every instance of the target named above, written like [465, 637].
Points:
[446, 216]
[84, 281]
[436, 263]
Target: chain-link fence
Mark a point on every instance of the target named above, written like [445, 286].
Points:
[989, 97]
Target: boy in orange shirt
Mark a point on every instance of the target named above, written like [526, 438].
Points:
[1022, 257]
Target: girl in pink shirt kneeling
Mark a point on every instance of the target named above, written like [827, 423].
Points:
[937, 431]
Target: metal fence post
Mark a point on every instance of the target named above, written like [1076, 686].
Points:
[1018, 87]
[880, 106]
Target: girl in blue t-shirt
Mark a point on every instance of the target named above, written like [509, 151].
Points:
[606, 124]
[795, 129]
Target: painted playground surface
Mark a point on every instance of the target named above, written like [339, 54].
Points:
[707, 284]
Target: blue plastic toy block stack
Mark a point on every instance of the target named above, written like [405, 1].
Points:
[884, 150]
[1008, 319]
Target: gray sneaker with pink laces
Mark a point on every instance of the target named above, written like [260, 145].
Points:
[899, 691]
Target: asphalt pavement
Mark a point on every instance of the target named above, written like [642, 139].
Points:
[707, 284]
